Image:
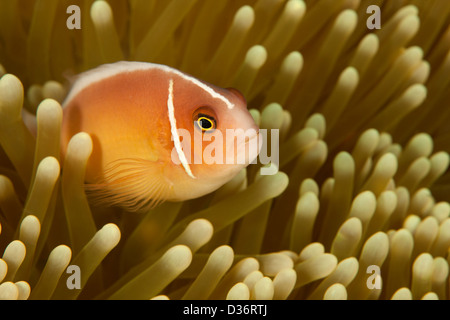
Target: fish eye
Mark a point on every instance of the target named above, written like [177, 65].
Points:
[204, 120]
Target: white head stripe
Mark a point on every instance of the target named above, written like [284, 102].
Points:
[108, 70]
[173, 129]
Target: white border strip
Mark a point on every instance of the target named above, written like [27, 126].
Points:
[108, 70]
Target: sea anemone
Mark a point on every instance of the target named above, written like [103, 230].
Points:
[358, 210]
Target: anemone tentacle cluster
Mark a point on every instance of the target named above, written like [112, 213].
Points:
[358, 210]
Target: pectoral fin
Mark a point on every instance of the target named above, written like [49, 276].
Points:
[133, 184]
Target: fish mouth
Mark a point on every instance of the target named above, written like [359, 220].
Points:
[250, 147]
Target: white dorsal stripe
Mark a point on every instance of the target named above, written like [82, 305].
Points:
[174, 131]
[108, 70]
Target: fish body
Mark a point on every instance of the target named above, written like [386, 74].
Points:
[143, 119]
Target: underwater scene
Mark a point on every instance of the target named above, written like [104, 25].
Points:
[226, 149]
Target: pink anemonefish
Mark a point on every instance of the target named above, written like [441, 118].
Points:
[133, 112]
